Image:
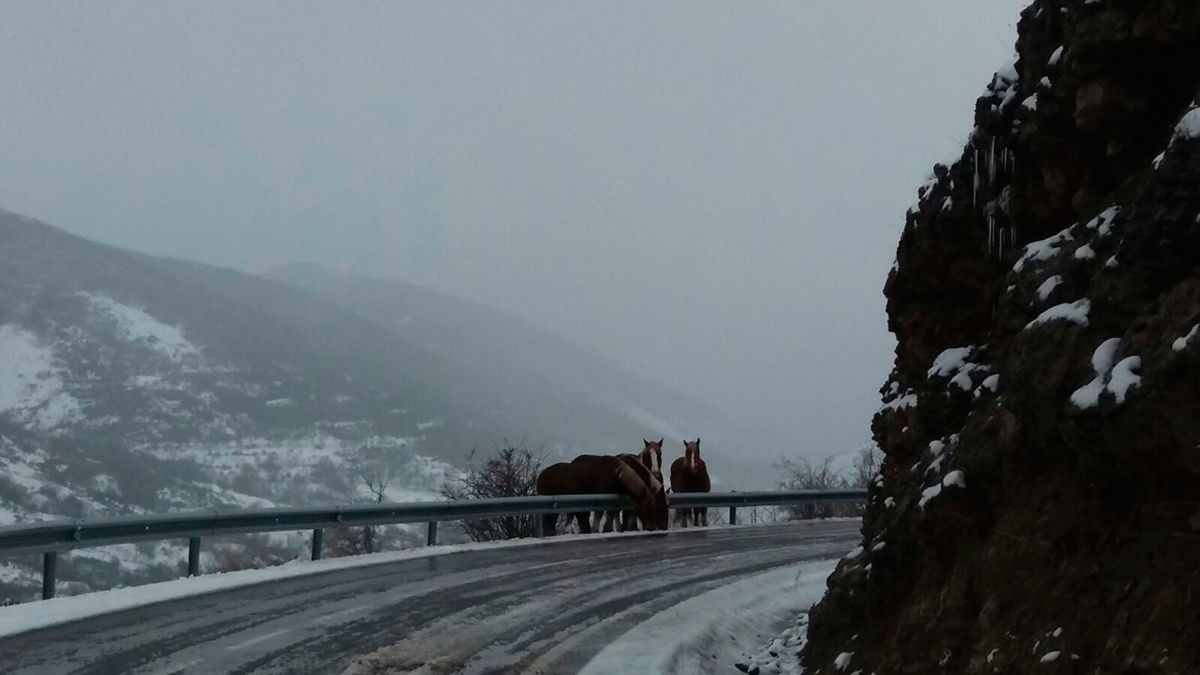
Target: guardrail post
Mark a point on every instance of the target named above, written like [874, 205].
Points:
[194, 556]
[431, 537]
[538, 530]
[318, 543]
[49, 572]
[733, 515]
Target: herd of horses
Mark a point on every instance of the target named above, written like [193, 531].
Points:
[636, 476]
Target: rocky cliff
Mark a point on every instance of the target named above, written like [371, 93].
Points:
[1039, 508]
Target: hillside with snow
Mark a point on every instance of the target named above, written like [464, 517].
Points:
[135, 384]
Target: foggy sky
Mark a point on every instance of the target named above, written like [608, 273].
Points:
[709, 192]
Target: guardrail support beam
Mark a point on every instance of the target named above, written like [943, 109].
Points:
[538, 530]
[49, 573]
[318, 543]
[733, 515]
[193, 556]
[431, 537]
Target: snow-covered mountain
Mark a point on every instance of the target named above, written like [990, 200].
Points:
[131, 383]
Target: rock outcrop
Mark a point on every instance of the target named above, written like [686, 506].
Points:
[1039, 504]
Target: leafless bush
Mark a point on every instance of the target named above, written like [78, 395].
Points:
[867, 466]
[511, 472]
[803, 474]
[346, 541]
[248, 553]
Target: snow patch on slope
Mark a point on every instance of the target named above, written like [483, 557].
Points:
[31, 381]
[135, 325]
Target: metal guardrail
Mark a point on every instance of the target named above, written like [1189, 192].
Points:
[50, 537]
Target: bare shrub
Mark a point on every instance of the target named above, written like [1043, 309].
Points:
[867, 465]
[249, 552]
[803, 474]
[511, 472]
[346, 541]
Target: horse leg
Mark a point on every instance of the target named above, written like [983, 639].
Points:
[703, 512]
[611, 519]
[581, 517]
[629, 522]
[681, 517]
[597, 518]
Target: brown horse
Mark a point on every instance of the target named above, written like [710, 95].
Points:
[651, 458]
[605, 474]
[689, 474]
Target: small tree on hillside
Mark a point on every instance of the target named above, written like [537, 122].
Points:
[511, 472]
[375, 469]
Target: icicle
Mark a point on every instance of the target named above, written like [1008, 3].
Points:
[975, 177]
[992, 165]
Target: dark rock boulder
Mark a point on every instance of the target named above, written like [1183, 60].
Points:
[1039, 504]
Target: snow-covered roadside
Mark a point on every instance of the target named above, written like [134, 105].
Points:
[714, 631]
[16, 619]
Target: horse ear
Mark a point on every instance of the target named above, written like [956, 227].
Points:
[644, 441]
[660, 441]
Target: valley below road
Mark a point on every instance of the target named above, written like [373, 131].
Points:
[649, 603]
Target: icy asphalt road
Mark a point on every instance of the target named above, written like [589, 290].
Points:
[538, 609]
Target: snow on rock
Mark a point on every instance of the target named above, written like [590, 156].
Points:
[906, 401]
[1043, 249]
[1103, 223]
[956, 479]
[1124, 377]
[135, 325]
[1115, 379]
[1085, 252]
[922, 192]
[1048, 286]
[1031, 103]
[1049, 657]
[950, 361]
[1056, 57]
[1075, 312]
[842, 662]
[1189, 126]
[955, 364]
[1182, 343]
[929, 493]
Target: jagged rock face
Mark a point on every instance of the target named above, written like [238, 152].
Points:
[1037, 509]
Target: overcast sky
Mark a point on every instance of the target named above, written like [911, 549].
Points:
[709, 192]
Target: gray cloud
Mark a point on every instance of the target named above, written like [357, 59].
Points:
[709, 192]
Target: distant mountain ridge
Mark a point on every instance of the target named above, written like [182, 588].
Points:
[132, 383]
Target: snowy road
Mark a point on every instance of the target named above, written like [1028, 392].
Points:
[539, 609]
